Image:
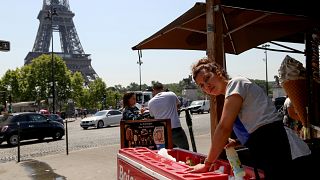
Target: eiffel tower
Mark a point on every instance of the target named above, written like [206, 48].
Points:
[71, 49]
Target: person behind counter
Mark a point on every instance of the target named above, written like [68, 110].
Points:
[247, 110]
[163, 105]
[291, 118]
[130, 110]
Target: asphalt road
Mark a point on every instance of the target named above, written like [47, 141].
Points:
[79, 139]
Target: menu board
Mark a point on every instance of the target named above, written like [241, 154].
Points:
[150, 133]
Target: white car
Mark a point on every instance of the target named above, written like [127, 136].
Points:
[199, 106]
[101, 119]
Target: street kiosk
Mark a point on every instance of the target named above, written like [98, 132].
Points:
[139, 157]
[226, 26]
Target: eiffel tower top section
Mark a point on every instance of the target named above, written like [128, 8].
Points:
[62, 22]
[56, 16]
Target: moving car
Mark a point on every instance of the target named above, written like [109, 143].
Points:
[199, 106]
[32, 126]
[54, 117]
[101, 119]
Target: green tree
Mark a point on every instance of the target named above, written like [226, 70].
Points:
[84, 100]
[39, 79]
[29, 86]
[119, 88]
[97, 90]
[176, 88]
[77, 82]
[113, 97]
[11, 78]
[133, 87]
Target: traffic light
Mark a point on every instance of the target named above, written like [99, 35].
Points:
[4, 45]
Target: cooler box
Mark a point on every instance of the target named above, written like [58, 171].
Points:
[143, 164]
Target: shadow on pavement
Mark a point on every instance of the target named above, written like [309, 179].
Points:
[41, 171]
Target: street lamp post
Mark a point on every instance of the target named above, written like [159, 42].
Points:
[10, 99]
[50, 100]
[70, 108]
[140, 62]
[52, 12]
[265, 46]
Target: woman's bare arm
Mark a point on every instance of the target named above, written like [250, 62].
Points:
[231, 109]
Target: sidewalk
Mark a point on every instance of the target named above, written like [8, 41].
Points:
[93, 164]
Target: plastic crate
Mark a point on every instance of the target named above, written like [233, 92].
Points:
[154, 165]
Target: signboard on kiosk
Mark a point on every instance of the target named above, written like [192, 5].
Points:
[150, 133]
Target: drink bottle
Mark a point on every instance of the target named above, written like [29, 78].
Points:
[235, 163]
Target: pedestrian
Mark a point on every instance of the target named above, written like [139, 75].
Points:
[164, 105]
[248, 111]
[291, 118]
[130, 110]
[76, 113]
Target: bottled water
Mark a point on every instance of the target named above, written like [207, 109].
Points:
[235, 163]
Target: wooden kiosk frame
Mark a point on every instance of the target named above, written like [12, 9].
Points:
[230, 26]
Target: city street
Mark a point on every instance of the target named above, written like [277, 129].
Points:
[79, 139]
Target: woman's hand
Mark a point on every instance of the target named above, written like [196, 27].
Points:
[232, 143]
[199, 168]
[142, 110]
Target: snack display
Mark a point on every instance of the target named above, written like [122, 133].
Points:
[292, 77]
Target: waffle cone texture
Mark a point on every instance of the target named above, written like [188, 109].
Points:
[297, 92]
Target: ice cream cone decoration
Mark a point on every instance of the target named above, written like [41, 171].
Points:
[292, 77]
[296, 91]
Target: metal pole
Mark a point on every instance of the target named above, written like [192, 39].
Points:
[189, 124]
[267, 73]
[52, 64]
[140, 74]
[139, 62]
[10, 99]
[67, 143]
[10, 103]
[265, 46]
[70, 105]
[18, 123]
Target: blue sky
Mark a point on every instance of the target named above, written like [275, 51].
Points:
[108, 29]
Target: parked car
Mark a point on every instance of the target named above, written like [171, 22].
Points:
[102, 118]
[32, 126]
[199, 106]
[55, 117]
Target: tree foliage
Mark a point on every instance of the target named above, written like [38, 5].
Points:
[77, 87]
[97, 90]
[33, 82]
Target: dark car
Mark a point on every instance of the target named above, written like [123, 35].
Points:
[54, 117]
[32, 126]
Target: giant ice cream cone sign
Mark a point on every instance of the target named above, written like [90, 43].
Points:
[292, 77]
[296, 91]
